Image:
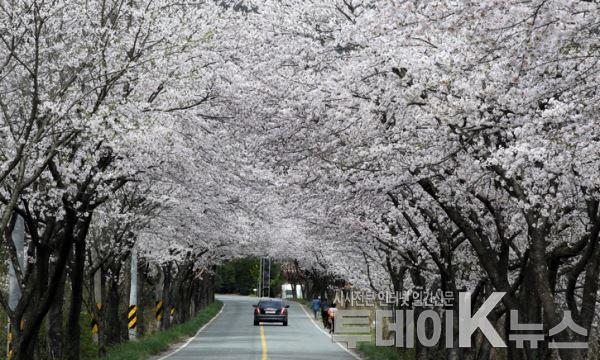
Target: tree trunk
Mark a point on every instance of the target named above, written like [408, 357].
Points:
[73, 328]
[529, 313]
[112, 328]
[166, 322]
[542, 286]
[54, 324]
[294, 294]
[27, 340]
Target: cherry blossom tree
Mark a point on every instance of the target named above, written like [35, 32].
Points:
[390, 144]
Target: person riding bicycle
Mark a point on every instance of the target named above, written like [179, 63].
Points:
[331, 317]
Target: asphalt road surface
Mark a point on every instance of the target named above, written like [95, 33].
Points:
[232, 335]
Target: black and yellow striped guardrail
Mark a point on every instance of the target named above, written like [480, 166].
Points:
[158, 310]
[132, 317]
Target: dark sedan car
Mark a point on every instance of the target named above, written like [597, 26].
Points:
[271, 310]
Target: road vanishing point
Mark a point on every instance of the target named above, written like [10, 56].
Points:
[232, 335]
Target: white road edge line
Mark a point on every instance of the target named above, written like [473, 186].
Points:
[193, 337]
[328, 335]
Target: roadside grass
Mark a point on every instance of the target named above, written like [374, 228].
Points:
[371, 352]
[160, 341]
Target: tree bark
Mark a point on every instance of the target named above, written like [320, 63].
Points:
[27, 340]
[112, 330]
[166, 295]
[73, 326]
[54, 324]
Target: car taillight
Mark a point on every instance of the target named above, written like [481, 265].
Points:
[282, 311]
[257, 311]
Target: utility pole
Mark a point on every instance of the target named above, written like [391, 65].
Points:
[132, 313]
[264, 282]
[267, 282]
[14, 291]
[260, 276]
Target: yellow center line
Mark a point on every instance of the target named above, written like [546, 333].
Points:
[263, 342]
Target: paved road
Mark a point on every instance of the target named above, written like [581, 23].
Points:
[232, 335]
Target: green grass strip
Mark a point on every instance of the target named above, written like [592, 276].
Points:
[158, 342]
[371, 352]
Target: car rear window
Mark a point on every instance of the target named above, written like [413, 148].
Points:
[271, 304]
